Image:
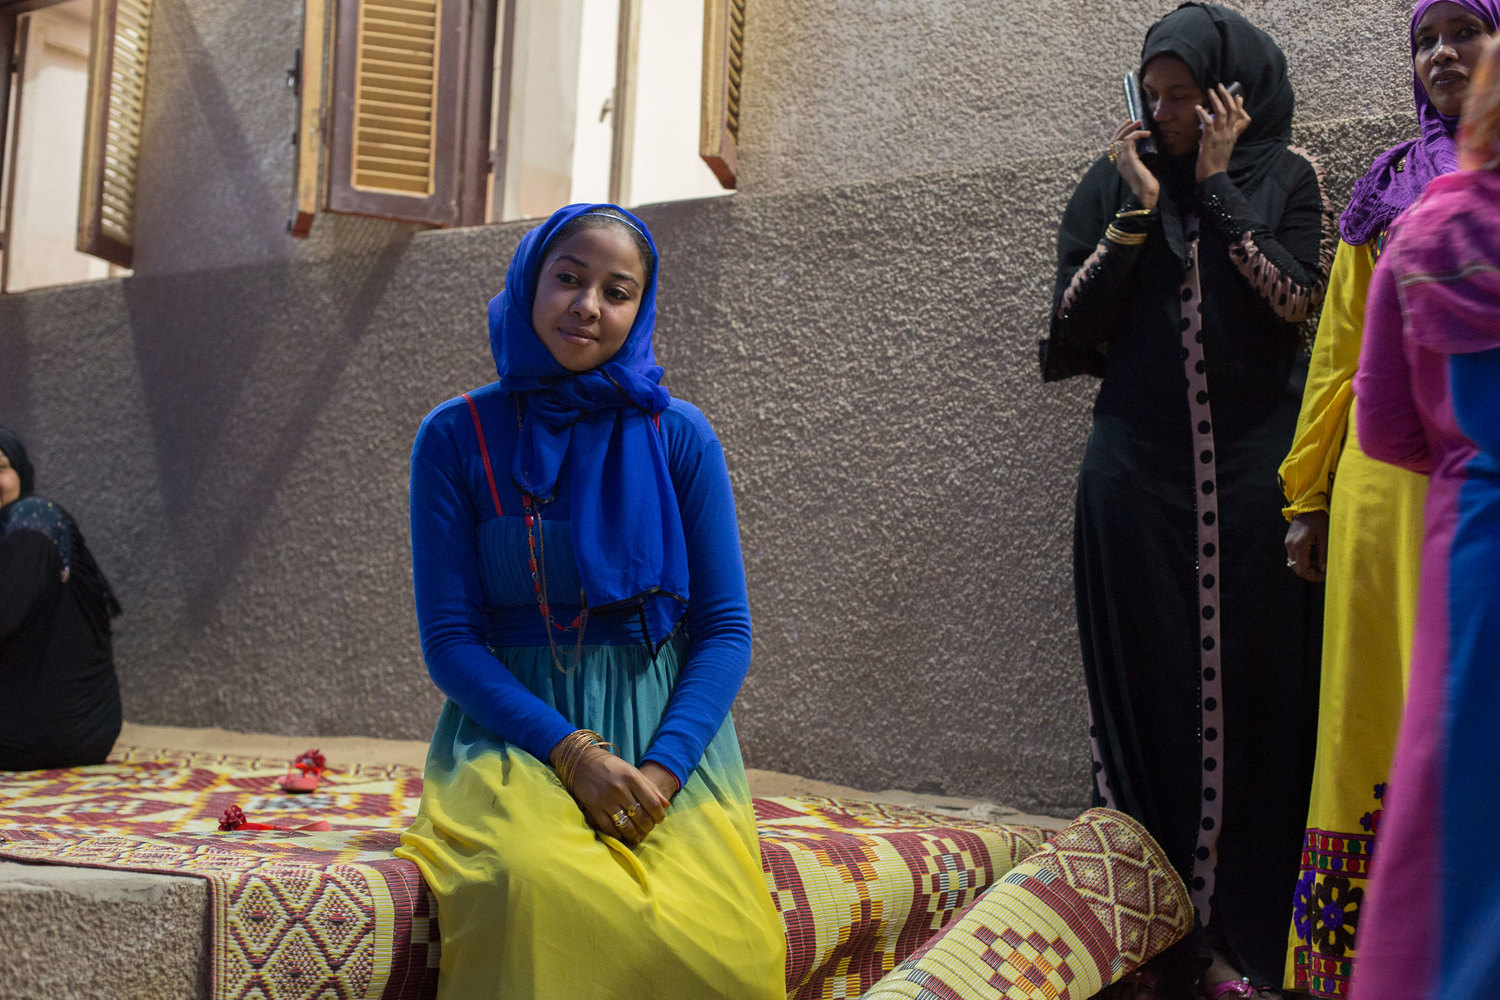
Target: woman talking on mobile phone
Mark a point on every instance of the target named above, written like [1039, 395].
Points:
[1181, 281]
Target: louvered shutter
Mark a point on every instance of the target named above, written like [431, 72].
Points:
[397, 109]
[723, 53]
[112, 130]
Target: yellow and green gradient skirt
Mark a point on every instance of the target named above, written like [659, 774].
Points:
[533, 902]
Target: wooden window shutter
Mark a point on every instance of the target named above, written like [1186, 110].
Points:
[397, 109]
[723, 54]
[112, 129]
[310, 78]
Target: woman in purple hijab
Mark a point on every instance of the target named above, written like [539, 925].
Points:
[1357, 522]
[1428, 401]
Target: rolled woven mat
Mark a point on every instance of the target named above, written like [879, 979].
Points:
[1096, 901]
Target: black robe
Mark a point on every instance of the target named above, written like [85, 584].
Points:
[1200, 646]
[59, 697]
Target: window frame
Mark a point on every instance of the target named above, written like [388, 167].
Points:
[723, 57]
[470, 161]
[90, 238]
[439, 206]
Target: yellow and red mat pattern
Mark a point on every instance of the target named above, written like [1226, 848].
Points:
[861, 886]
[1098, 900]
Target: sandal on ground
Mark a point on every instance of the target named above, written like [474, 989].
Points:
[311, 764]
[1236, 988]
[1133, 985]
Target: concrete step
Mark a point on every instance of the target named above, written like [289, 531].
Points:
[96, 934]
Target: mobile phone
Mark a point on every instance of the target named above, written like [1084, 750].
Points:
[1143, 147]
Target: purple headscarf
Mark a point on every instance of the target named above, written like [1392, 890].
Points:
[1384, 192]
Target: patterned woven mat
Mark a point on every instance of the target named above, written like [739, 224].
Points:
[1094, 903]
[863, 885]
[156, 792]
[299, 914]
[293, 914]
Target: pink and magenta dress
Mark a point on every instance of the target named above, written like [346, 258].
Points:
[1428, 399]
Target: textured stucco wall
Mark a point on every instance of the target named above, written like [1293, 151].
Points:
[231, 425]
[880, 89]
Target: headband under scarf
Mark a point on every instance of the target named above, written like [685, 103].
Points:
[1398, 175]
[1220, 46]
[627, 531]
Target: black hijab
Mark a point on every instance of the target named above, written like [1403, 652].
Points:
[1219, 46]
[14, 450]
[49, 518]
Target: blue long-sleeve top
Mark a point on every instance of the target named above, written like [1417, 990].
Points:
[467, 596]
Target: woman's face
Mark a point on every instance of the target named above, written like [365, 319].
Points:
[1447, 41]
[587, 295]
[10, 481]
[1173, 97]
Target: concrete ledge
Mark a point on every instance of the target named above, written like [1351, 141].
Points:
[94, 934]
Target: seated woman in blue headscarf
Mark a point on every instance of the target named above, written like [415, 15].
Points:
[585, 824]
[59, 699]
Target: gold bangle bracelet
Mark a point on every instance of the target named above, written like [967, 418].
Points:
[1133, 213]
[1124, 239]
[573, 748]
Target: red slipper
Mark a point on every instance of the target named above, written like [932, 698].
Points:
[234, 819]
[311, 764]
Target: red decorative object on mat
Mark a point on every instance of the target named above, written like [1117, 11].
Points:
[311, 764]
[234, 819]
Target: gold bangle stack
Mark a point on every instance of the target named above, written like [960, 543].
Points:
[572, 750]
[1119, 236]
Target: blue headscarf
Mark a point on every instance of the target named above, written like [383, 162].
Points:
[627, 531]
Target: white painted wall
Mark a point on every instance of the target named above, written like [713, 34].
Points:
[669, 82]
[49, 151]
[564, 76]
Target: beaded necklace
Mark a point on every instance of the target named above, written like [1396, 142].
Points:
[536, 565]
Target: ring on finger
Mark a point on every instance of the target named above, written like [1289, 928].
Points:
[632, 809]
[621, 817]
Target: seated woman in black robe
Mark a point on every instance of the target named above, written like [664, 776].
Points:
[59, 699]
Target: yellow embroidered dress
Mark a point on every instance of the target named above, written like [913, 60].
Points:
[1374, 548]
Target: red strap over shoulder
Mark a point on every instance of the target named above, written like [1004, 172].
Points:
[484, 452]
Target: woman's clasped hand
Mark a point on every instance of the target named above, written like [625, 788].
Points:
[618, 799]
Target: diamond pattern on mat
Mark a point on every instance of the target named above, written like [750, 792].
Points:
[1124, 883]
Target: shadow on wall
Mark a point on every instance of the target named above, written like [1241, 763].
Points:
[16, 404]
[232, 390]
[217, 164]
[196, 153]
